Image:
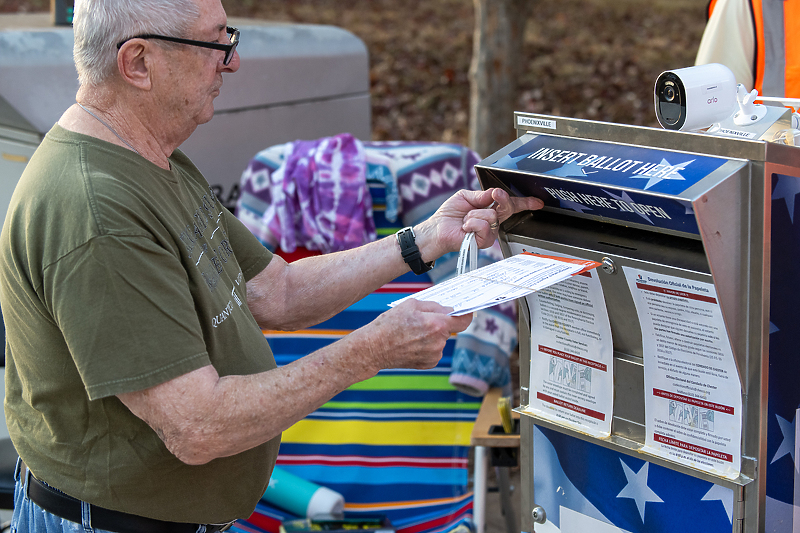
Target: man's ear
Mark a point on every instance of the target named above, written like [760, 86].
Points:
[134, 61]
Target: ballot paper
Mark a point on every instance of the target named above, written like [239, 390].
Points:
[511, 278]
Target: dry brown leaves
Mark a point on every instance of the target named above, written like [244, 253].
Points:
[595, 59]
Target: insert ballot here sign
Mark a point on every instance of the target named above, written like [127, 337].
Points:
[622, 182]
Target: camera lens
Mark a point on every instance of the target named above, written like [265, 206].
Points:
[670, 97]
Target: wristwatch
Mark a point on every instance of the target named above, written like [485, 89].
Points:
[410, 252]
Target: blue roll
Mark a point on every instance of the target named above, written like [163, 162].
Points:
[300, 496]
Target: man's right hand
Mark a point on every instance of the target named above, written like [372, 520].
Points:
[411, 335]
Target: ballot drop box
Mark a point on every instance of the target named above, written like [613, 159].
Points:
[658, 392]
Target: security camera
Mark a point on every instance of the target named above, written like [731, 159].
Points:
[694, 98]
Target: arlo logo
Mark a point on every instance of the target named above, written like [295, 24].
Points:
[712, 100]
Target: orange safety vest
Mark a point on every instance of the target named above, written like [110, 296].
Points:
[776, 61]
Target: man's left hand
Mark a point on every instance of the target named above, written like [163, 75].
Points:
[479, 212]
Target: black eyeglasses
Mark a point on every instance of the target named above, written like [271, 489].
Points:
[233, 35]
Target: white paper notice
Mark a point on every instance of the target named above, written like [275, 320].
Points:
[511, 278]
[572, 378]
[693, 398]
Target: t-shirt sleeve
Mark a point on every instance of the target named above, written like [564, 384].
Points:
[126, 312]
[253, 256]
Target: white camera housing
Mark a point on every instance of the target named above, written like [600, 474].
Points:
[694, 98]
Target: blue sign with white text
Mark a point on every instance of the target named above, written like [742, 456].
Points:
[611, 164]
[600, 179]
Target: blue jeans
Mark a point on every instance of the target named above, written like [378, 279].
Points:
[30, 518]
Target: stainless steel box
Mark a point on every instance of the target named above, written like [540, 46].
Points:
[686, 209]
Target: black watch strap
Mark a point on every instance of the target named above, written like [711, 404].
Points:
[410, 251]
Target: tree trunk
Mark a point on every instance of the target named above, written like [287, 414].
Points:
[495, 72]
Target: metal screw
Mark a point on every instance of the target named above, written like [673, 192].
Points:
[538, 515]
[608, 265]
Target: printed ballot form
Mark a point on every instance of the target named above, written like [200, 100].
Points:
[693, 398]
[572, 378]
[511, 278]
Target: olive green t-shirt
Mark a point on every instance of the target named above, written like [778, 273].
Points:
[115, 276]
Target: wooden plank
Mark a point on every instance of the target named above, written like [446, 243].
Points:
[488, 416]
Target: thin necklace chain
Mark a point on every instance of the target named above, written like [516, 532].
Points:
[104, 123]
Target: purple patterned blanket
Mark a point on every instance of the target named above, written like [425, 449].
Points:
[338, 192]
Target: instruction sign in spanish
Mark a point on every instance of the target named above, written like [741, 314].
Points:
[572, 378]
[693, 398]
[511, 278]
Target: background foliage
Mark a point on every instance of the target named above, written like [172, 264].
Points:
[594, 59]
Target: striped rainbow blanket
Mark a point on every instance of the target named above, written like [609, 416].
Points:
[396, 444]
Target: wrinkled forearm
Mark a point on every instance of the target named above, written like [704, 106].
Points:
[200, 416]
[306, 292]
[293, 296]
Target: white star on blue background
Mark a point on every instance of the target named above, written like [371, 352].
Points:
[510, 162]
[628, 200]
[671, 176]
[570, 170]
[787, 445]
[575, 206]
[637, 488]
[787, 188]
[722, 494]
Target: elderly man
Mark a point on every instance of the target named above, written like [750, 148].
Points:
[141, 394]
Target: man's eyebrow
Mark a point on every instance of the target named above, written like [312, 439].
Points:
[218, 29]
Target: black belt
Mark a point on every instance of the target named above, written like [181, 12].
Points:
[56, 502]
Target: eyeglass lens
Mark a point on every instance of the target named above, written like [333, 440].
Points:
[233, 35]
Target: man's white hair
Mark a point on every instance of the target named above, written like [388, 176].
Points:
[99, 25]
